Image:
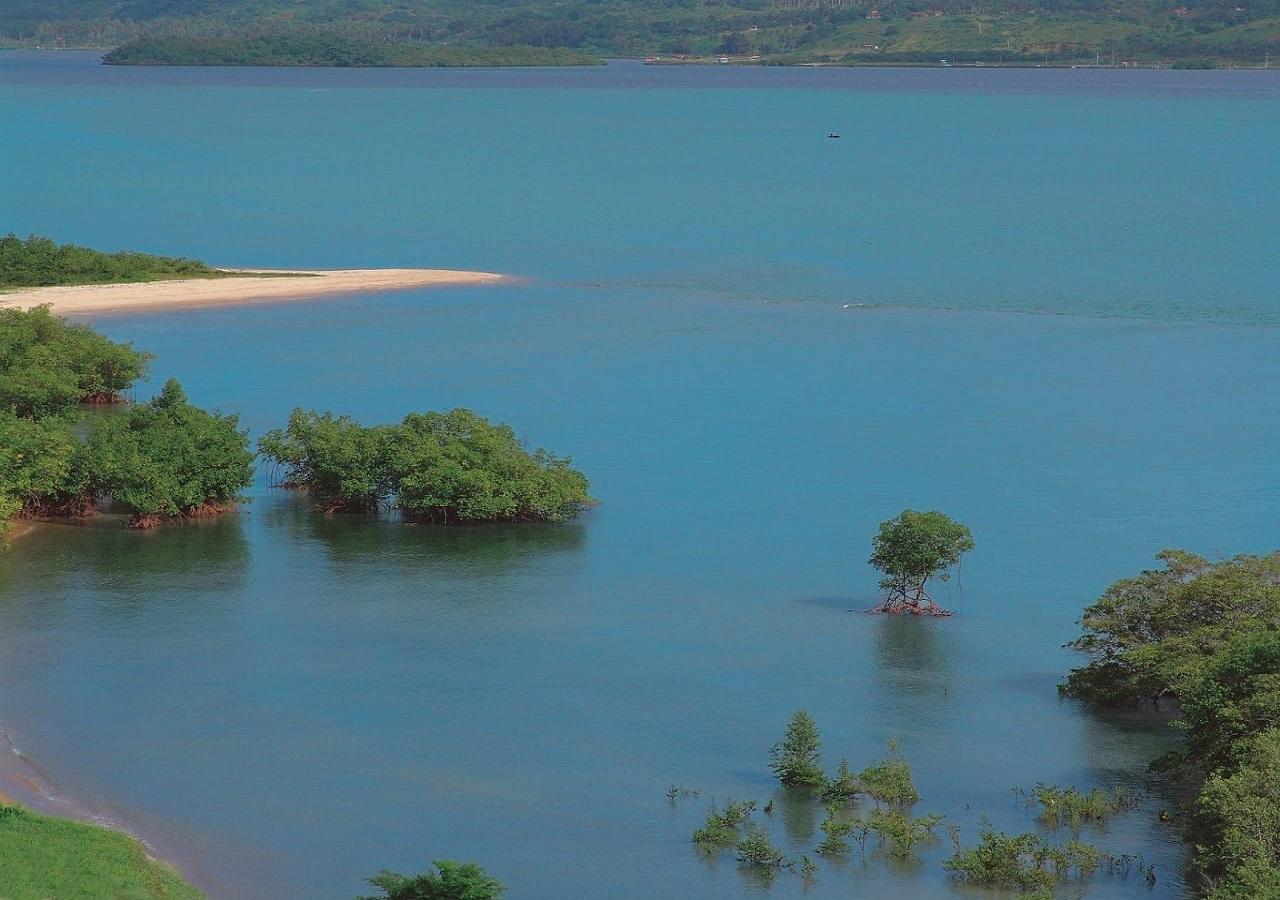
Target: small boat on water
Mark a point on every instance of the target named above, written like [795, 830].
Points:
[832, 134]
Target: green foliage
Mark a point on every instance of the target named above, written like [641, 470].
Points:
[844, 787]
[1150, 636]
[756, 849]
[457, 467]
[343, 465]
[42, 466]
[39, 261]
[42, 857]
[311, 49]
[48, 366]
[449, 468]
[836, 828]
[913, 547]
[1238, 823]
[721, 827]
[447, 881]
[1207, 634]
[889, 780]
[1024, 862]
[1074, 808]
[796, 760]
[169, 458]
[900, 831]
[909, 31]
[1234, 696]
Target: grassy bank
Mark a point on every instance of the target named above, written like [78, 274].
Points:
[43, 857]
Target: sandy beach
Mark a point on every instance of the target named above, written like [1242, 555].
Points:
[258, 285]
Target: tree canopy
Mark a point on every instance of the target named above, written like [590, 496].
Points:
[449, 468]
[162, 459]
[796, 760]
[168, 458]
[49, 366]
[1207, 633]
[446, 881]
[911, 548]
[38, 261]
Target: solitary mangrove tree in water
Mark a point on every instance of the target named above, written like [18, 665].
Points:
[449, 468]
[911, 548]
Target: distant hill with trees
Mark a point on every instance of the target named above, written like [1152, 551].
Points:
[1057, 32]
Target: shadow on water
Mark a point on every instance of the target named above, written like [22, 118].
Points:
[204, 554]
[799, 812]
[386, 541]
[914, 654]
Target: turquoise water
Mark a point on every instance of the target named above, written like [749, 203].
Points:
[286, 704]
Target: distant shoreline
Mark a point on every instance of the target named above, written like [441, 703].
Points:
[272, 286]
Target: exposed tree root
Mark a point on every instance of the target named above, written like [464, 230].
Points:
[145, 521]
[901, 602]
[80, 507]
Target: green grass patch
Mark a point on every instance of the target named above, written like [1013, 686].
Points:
[43, 857]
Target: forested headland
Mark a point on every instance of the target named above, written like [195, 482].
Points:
[40, 262]
[839, 32]
[1206, 635]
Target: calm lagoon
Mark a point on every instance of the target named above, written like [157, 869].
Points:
[1041, 301]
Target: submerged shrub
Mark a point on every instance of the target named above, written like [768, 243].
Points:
[1071, 807]
[795, 760]
[756, 849]
[446, 881]
[836, 829]
[844, 787]
[900, 831]
[1023, 862]
[889, 781]
[721, 827]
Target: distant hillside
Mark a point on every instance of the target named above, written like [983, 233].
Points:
[330, 50]
[787, 31]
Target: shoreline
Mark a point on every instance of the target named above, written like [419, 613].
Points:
[24, 783]
[273, 285]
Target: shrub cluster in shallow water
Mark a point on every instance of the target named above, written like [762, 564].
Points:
[163, 459]
[450, 468]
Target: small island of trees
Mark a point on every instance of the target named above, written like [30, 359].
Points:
[165, 459]
[446, 468]
[168, 459]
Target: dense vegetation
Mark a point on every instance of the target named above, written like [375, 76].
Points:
[1207, 634]
[449, 468]
[787, 31]
[329, 50]
[41, 857]
[446, 881]
[39, 261]
[159, 460]
[168, 458]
